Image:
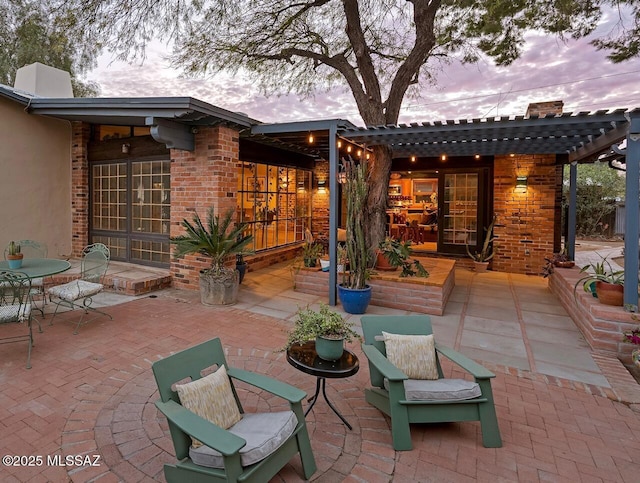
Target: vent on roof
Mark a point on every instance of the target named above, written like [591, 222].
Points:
[43, 81]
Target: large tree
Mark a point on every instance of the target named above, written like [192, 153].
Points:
[380, 49]
[30, 31]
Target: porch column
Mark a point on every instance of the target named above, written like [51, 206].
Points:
[570, 242]
[333, 214]
[632, 232]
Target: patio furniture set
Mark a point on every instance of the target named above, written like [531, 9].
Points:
[21, 282]
[215, 440]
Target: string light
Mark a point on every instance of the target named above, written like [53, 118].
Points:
[477, 156]
[413, 159]
[359, 153]
[310, 138]
[443, 157]
[349, 148]
[339, 143]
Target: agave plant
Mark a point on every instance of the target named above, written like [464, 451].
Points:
[487, 251]
[219, 239]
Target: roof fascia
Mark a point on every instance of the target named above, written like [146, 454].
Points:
[301, 126]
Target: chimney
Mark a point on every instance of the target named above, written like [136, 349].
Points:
[541, 109]
[43, 81]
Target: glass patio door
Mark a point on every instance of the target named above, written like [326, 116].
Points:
[464, 209]
[131, 208]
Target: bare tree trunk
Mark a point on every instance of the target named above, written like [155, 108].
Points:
[376, 210]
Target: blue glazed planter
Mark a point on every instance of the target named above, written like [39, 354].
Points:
[354, 301]
[15, 263]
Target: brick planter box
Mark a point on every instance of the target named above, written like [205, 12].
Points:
[424, 295]
[601, 325]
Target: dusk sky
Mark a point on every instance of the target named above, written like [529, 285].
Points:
[548, 70]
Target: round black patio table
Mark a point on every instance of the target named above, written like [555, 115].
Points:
[305, 358]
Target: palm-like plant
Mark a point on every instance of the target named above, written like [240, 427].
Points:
[219, 239]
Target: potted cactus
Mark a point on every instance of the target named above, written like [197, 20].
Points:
[14, 256]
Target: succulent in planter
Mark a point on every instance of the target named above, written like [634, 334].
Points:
[219, 239]
[487, 252]
[311, 251]
[560, 260]
[603, 281]
[14, 255]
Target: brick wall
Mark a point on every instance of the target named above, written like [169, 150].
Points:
[206, 177]
[79, 188]
[526, 218]
[541, 109]
[320, 202]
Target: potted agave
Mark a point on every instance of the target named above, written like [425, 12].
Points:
[481, 258]
[219, 239]
[14, 255]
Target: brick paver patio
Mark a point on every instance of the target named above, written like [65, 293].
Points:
[93, 393]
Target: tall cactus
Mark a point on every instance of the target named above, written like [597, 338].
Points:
[356, 190]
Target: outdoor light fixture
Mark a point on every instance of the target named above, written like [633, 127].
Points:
[125, 148]
[521, 183]
[359, 153]
[349, 148]
[443, 157]
[310, 138]
[322, 186]
[477, 156]
[339, 143]
[413, 159]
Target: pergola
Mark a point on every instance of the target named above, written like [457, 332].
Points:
[575, 138]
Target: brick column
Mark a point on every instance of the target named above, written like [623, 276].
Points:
[206, 177]
[526, 219]
[79, 187]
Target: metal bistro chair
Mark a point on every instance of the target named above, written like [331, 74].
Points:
[238, 446]
[34, 249]
[423, 399]
[15, 306]
[94, 265]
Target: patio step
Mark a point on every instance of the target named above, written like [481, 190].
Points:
[123, 278]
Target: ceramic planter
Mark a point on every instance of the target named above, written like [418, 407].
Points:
[354, 300]
[610, 293]
[15, 261]
[329, 349]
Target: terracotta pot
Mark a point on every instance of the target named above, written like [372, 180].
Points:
[382, 263]
[568, 264]
[480, 267]
[610, 293]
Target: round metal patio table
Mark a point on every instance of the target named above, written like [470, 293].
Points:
[38, 267]
[305, 358]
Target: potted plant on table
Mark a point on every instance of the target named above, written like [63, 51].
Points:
[14, 256]
[328, 329]
[604, 281]
[354, 293]
[481, 258]
[219, 240]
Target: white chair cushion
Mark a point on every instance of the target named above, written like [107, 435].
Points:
[75, 290]
[13, 313]
[37, 282]
[439, 390]
[263, 432]
[211, 398]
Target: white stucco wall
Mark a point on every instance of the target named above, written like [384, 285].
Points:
[35, 179]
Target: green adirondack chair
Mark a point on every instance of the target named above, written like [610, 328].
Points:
[388, 385]
[184, 424]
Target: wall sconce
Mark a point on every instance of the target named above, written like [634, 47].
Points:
[521, 183]
[300, 185]
[322, 186]
[125, 148]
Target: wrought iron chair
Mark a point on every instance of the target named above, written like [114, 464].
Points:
[94, 265]
[15, 306]
[34, 249]
[254, 449]
[425, 401]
